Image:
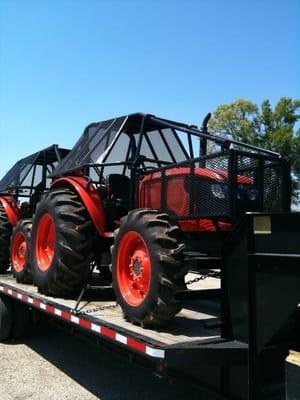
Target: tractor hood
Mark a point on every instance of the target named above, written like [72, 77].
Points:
[205, 173]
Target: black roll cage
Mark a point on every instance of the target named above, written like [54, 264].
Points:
[135, 161]
[46, 157]
[151, 121]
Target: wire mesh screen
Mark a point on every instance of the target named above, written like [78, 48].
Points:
[92, 145]
[192, 191]
[273, 191]
[18, 173]
[220, 186]
[266, 178]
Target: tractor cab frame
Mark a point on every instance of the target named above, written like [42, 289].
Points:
[144, 160]
[28, 178]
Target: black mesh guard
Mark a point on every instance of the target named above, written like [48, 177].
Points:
[221, 187]
[91, 147]
[16, 175]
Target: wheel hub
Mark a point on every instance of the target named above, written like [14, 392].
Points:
[22, 250]
[134, 276]
[19, 252]
[45, 242]
[136, 267]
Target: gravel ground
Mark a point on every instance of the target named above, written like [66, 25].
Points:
[54, 365]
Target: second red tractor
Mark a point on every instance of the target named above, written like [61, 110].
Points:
[20, 191]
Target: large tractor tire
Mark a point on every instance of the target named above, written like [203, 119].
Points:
[20, 251]
[62, 240]
[147, 267]
[5, 235]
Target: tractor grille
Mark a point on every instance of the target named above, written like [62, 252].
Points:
[221, 186]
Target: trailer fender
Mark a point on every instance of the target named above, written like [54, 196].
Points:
[12, 210]
[89, 197]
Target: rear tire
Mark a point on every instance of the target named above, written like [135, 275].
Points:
[5, 235]
[20, 251]
[61, 267]
[147, 267]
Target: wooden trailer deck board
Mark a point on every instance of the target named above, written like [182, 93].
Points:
[189, 326]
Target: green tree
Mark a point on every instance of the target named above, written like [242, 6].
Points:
[274, 129]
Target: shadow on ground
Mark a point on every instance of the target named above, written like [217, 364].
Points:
[109, 376]
[103, 372]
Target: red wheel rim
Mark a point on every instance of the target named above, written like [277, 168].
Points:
[133, 268]
[45, 242]
[19, 252]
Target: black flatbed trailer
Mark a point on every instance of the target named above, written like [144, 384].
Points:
[234, 340]
[196, 324]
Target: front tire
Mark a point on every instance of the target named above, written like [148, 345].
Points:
[20, 251]
[62, 241]
[147, 267]
[5, 235]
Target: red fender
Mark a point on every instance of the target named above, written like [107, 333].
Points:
[12, 210]
[89, 196]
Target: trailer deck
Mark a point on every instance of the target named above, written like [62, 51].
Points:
[197, 323]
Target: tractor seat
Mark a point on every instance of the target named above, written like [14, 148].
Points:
[119, 188]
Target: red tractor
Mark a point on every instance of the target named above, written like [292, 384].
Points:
[20, 191]
[140, 196]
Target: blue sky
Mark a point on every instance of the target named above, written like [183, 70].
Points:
[64, 64]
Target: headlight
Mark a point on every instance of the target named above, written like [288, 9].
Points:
[218, 191]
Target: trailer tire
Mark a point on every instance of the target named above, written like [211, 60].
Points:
[6, 311]
[147, 267]
[5, 235]
[61, 267]
[20, 251]
[22, 321]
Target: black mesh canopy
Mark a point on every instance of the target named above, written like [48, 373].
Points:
[116, 140]
[92, 146]
[143, 139]
[28, 172]
[18, 173]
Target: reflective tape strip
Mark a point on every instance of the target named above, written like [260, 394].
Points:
[155, 352]
[74, 319]
[101, 330]
[121, 338]
[96, 328]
